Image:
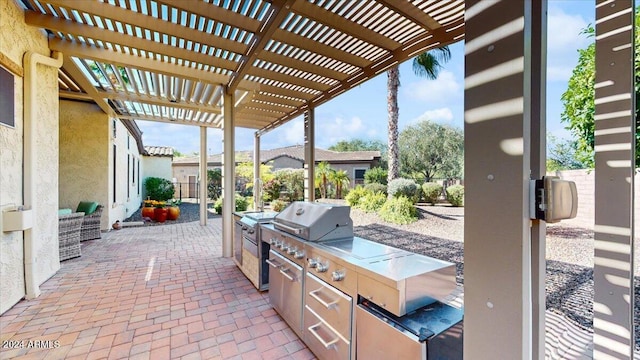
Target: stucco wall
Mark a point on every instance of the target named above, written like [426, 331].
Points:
[157, 166]
[16, 39]
[86, 162]
[585, 184]
[84, 149]
[128, 199]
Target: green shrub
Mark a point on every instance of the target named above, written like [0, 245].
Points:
[241, 204]
[214, 184]
[455, 195]
[398, 210]
[376, 187]
[432, 192]
[158, 188]
[278, 205]
[376, 175]
[354, 196]
[404, 187]
[372, 202]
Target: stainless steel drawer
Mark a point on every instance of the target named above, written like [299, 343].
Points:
[384, 296]
[323, 340]
[331, 305]
[285, 290]
[379, 340]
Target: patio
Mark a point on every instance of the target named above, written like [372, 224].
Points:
[150, 293]
[159, 292]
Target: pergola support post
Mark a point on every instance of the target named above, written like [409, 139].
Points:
[257, 183]
[203, 175]
[309, 154]
[613, 302]
[500, 129]
[228, 175]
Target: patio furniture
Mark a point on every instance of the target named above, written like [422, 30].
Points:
[69, 226]
[91, 223]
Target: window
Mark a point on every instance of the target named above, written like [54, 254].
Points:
[128, 172]
[115, 128]
[139, 185]
[133, 170]
[358, 176]
[7, 100]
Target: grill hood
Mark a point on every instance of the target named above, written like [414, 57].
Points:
[315, 221]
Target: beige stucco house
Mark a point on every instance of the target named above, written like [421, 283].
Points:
[355, 163]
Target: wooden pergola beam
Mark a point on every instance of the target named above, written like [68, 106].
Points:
[69, 27]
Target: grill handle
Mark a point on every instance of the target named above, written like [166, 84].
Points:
[328, 345]
[273, 264]
[329, 306]
[291, 229]
[284, 273]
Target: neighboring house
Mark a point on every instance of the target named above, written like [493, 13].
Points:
[355, 163]
[103, 164]
[156, 162]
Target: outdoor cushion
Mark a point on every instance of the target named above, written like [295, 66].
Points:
[87, 207]
[64, 212]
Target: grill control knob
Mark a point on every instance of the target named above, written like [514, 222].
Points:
[337, 275]
[292, 250]
[322, 267]
[284, 247]
[312, 262]
[274, 242]
[300, 255]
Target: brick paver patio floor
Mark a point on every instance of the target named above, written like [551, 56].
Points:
[156, 292]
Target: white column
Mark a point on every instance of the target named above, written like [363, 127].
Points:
[309, 154]
[203, 175]
[538, 170]
[257, 183]
[498, 320]
[228, 175]
[614, 176]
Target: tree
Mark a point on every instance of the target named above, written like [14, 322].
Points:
[432, 150]
[214, 183]
[323, 171]
[579, 99]
[340, 178]
[561, 154]
[177, 153]
[427, 64]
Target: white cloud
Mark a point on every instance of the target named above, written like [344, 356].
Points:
[442, 114]
[564, 31]
[330, 131]
[563, 41]
[440, 90]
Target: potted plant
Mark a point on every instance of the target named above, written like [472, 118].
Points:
[160, 212]
[173, 209]
[147, 210]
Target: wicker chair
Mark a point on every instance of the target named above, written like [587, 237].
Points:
[69, 235]
[91, 225]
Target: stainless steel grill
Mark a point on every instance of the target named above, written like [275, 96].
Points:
[315, 221]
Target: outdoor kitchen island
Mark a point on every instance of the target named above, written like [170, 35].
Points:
[348, 297]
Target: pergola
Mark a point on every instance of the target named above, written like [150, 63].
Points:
[258, 64]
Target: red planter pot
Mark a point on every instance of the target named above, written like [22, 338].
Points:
[148, 212]
[174, 213]
[161, 214]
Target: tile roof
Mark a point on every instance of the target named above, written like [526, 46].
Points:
[159, 151]
[294, 151]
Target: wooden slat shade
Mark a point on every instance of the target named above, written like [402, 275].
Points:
[172, 60]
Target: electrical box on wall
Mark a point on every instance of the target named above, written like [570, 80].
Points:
[553, 199]
[17, 219]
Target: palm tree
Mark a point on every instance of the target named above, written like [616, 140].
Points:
[323, 171]
[340, 178]
[427, 64]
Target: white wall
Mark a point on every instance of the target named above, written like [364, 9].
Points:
[585, 184]
[156, 166]
[16, 38]
[127, 197]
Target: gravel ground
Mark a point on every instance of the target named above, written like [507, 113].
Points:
[439, 233]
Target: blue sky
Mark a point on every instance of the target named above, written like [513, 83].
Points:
[361, 113]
